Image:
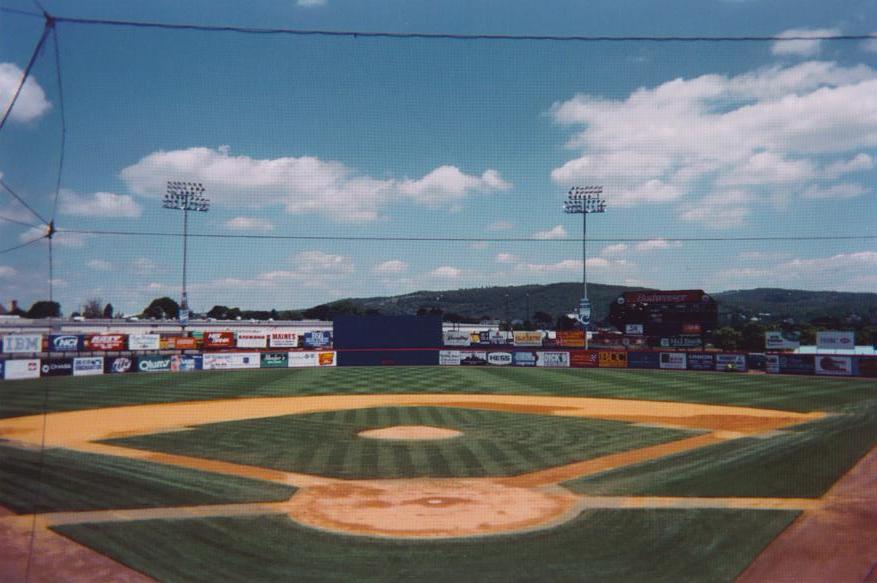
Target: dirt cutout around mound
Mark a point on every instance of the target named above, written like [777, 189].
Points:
[410, 433]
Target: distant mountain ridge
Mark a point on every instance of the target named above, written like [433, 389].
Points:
[510, 302]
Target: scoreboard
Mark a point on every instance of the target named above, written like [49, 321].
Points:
[671, 319]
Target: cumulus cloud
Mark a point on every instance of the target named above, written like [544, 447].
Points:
[303, 185]
[249, 224]
[843, 190]
[776, 127]
[843, 271]
[500, 225]
[616, 249]
[446, 272]
[98, 204]
[720, 210]
[311, 3]
[392, 266]
[506, 258]
[657, 245]
[60, 239]
[870, 45]
[6, 271]
[31, 102]
[557, 232]
[805, 43]
[572, 265]
[99, 265]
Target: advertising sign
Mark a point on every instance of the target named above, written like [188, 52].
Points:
[726, 362]
[779, 340]
[154, 363]
[527, 338]
[797, 363]
[524, 358]
[484, 337]
[633, 329]
[252, 340]
[449, 357]
[2, 363]
[772, 363]
[88, 366]
[231, 360]
[301, 359]
[867, 367]
[275, 360]
[664, 297]
[571, 338]
[834, 365]
[643, 360]
[701, 361]
[584, 359]
[673, 360]
[689, 328]
[682, 341]
[65, 343]
[282, 340]
[473, 358]
[326, 359]
[105, 342]
[500, 337]
[218, 339]
[457, 338]
[612, 359]
[499, 358]
[28, 368]
[56, 367]
[836, 340]
[318, 339]
[552, 359]
[144, 342]
[23, 343]
[181, 343]
[119, 365]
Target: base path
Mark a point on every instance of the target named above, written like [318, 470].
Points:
[835, 543]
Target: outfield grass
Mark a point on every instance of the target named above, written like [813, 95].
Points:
[774, 391]
[493, 443]
[803, 462]
[623, 546]
[65, 480]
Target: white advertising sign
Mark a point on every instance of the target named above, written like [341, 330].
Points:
[772, 363]
[144, 342]
[283, 340]
[231, 360]
[834, 365]
[23, 343]
[88, 366]
[673, 360]
[836, 340]
[302, 359]
[500, 358]
[252, 340]
[457, 338]
[776, 340]
[450, 357]
[737, 361]
[22, 369]
[552, 359]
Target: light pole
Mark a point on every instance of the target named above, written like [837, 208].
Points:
[584, 200]
[185, 196]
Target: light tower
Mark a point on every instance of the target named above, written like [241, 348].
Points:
[185, 196]
[584, 200]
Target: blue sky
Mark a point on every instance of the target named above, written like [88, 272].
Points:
[386, 137]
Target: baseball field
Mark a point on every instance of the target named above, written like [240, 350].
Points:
[439, 474]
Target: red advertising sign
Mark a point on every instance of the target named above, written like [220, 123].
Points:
[584, 358]
[106, 342]
[218, 339]
[691, 329]
[574, 338]
[665, 297]
[182, 342]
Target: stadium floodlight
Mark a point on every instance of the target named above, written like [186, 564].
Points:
[185, 196]
[584, 200]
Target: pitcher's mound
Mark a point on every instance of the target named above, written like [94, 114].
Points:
[410, 432]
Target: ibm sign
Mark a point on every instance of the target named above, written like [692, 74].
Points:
[23, 343]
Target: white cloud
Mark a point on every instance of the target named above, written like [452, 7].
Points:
[500, 225]
[870, 45]
[479, 245]
[310, 262]
[843, 190]
[446, 272]
[776, 126]
[573, 265]
[617, 249]
[144, 265]
[60, 239]
[506, 258]
[99, 265]
[802, 47]
[311, 3]
[31, 102]
[303, 185]
[721, 210]
[391, 267]
[249, 224]
[6, 271]
[557, 232]
[98, 204]
[842, 271]
[657, 245]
